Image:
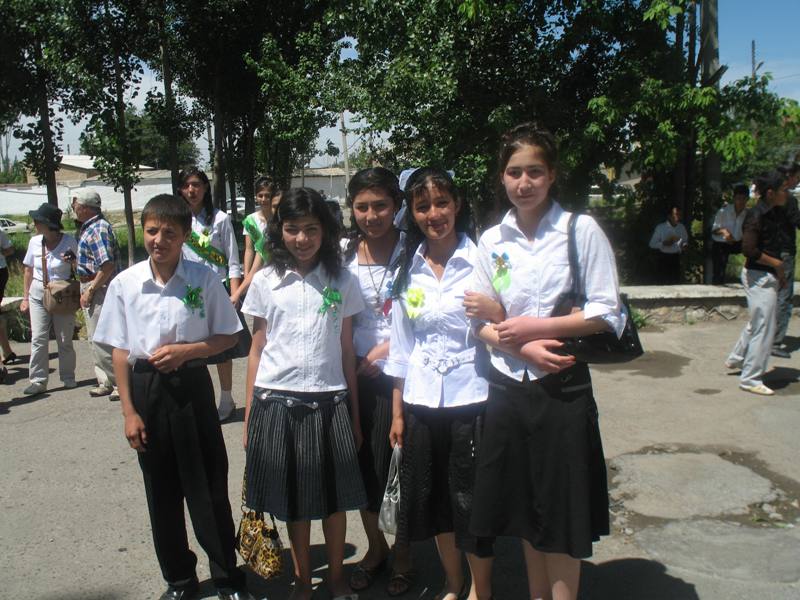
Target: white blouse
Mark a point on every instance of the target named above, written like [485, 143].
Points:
[57, 268]
[140, 315]
[529, 276]
[431, 345]
[303, 352]
[222, 237]
[372, 326]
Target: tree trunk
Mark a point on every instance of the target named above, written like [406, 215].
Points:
[228, 149]
[169, 98]
[48, 148]
[712, 167]
[248, 161]
[219, 136]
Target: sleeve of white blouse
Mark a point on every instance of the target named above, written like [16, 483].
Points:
[352, 300]
[112, 327]
[401, 341]
[231, 248]
[599, 275]
[482, 270]
[254, 302]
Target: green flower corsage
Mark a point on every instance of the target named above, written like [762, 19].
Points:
[194, 300]
[415, 298]
[331, 299]
[502, 277]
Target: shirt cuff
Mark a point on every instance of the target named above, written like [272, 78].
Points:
[615, 319]
[395, 368]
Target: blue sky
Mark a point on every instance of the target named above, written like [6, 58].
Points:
[773, 24]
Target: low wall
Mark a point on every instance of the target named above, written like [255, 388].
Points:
[690, 303]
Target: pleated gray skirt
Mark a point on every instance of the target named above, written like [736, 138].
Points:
[301, 458]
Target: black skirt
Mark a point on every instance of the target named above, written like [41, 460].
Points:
[437, 474]
[541, 475]
[301, 457]
[375, 410]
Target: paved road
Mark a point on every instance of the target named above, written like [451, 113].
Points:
[705, 488]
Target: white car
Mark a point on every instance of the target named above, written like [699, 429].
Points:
[10, 226]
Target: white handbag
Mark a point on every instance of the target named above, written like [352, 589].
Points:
[387, 517]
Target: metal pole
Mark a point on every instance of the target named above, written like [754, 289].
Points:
[346, 159]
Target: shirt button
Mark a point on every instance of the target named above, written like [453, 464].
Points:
[289, 402]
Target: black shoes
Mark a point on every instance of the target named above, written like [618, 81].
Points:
[780, 352]
[10, 359]
[231, 594]
[183, 592]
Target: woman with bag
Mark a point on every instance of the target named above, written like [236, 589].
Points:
[48, 259]
[541, 474]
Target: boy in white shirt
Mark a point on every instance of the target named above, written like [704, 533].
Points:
[164, 317]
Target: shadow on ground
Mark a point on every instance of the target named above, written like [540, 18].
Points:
[655, 363]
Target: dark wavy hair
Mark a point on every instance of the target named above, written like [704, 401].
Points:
[415, 187]
[375, 178]
[524, 134]
[773, 180]
[297, 203]
[208, 204]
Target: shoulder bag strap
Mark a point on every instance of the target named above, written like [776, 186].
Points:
[572, 253]
[45, 279]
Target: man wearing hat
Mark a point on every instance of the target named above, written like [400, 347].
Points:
[97, 263]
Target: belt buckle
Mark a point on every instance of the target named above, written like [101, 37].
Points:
[443, 366]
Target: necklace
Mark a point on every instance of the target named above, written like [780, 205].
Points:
[377, 306]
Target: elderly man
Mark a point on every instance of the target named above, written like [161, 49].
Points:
[97, 263]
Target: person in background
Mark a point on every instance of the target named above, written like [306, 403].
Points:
[762, 277]
[59, 251]
[726, 232]
[97, 263]
[6, 250]
[255, 224]
[791, 223]
[669, 240]
[213, 243]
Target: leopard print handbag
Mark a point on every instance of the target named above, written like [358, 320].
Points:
[258, 541]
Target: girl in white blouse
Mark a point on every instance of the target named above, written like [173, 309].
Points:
[439, 398]
[213, 243]
[301, 420]
[541, 474]
[58, 249]
[373, 255]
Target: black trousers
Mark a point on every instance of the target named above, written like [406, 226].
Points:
[185, 459]
[668, 268]
[720, 251]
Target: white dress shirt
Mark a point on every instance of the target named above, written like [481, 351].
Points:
[432, 346]
[140, 315]
[538, 274]
[303, 352]
[221, 236]
[57, 268]
[726, 218]
[372, 326]
[667, 230]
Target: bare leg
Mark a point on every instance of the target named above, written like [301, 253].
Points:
[334, 528]
[551, 576]
[538, 583]
[225, 372]
[451, 563]
[564, 573]
[300, 538]
[378, 549]
[4, 345]
[481, 570]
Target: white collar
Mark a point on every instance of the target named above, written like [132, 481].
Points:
[555, 217]
[460, 253]
[145, 273]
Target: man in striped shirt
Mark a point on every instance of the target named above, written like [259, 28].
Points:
[97, 263]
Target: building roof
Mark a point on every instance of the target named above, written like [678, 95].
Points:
[320, 172]
[144, 173]
[85, 162]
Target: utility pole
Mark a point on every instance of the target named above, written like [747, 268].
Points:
[712, 166]
[344, 146]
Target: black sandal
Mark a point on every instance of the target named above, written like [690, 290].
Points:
[362, 577]
[399, 583]
[10, 359]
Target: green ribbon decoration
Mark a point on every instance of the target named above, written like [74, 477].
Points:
[331, 299]
[415, 298]
[194, 300]
[502, 277]
[201, 245]
[257, 236]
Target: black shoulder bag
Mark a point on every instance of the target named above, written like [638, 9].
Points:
[603, 347]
